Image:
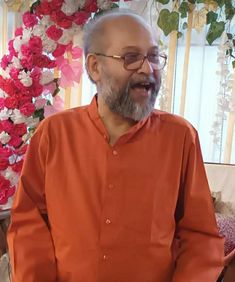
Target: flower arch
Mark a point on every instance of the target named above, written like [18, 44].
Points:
[28, 83]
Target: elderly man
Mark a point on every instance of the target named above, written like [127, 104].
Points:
[106, 188]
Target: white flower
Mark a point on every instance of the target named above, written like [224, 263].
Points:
[32, 122]
[5, 113]
[17, 117]
[66, 38]
[25, 78]
[27, 33]
[16, 63]
[104, 4]
[81, 4]
[38, 30]
[46, 21]
[17, 43]
[4, 137]
[12, 176]
[69, 7]
[46, 77]
[48, 44]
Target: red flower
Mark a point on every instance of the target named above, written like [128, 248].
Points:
[2, 104]
[4, 183]
[27, 109]
[35, 44]
[6, 126]
[4, 163]
[81, 17]
[12, 49]
[15, 141]
[59, 51]
[11, 102]
[17, 166]
[20, 129]
[91, 6]
[29, 20]
[44, 8]
[54, 33]
[6, 193]
[44, 62]
[21, 151]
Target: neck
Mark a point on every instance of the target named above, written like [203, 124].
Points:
[115, 124]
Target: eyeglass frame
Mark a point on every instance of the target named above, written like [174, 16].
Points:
[118, 57]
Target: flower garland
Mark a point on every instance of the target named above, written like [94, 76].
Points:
[28, 84]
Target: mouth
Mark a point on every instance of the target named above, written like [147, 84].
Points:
[143, 89]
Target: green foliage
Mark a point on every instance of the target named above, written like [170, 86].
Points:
[211, 17]
[229, 10]
[215, 31]
[168, 21]
[184, 9]
[164, 2]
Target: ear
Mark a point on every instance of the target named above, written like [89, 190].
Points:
[92, 66]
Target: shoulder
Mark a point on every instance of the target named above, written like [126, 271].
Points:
[173, 122]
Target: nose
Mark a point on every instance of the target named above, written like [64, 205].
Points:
[146, 67]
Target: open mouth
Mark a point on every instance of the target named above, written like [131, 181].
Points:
[143, 85]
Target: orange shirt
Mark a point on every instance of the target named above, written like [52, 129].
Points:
[112, 210]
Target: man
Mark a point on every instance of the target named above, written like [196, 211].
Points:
[107, 187]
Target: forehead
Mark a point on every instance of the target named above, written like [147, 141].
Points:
[128, 32]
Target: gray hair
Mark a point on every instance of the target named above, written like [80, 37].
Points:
[94, 31]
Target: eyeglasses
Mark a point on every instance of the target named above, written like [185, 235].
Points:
[134, 61]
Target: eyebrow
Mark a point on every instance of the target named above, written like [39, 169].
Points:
[155, 47]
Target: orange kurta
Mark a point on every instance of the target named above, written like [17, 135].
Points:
[113, 210]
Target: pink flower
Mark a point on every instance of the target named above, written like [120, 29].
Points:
[44, 8]
[27, 109]
[29, 20]
[76, 52]
[6, 59]
[27, 62]
[19, 31]
[35, 44]
[14, 72]
[12, 49]
[6, 193]
[59, 51]
[54, 33]
[40, 103]
[91, 6]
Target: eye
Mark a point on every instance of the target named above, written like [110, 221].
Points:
[154, 58]
[132, 58]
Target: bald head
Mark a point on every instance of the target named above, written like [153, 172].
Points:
[100, 32]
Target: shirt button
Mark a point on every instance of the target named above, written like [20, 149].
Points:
[105, 257]
[107, 221]
[111, 186]
[115, 152]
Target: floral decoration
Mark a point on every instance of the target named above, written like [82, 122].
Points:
[28, 86]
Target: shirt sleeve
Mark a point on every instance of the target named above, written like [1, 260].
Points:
[30, 243]
[201, 249]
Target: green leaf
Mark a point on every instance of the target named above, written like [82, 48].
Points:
[229, 35]
[164, 2]
[200, 1]
[185, 25]
[114, 6]
[215, 31]
[192, 1]
[168, 21]
[233, 63]
[229, 10]
[233, 42]
[220, 3]
[184, 9]
[211, 17]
